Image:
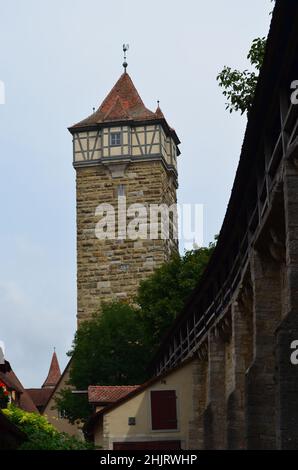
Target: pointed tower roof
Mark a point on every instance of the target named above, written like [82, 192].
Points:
[54, 373]
[122, 104]
[159, 112]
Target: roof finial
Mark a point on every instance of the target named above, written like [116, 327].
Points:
[158, 103]
[125, 49]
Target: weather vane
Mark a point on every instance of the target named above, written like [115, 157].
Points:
[125, 49]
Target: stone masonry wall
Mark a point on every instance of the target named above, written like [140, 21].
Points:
[287, 331]
[196, 425]
[242, 339]
[260, 378]
[112, 269]
[215, 413]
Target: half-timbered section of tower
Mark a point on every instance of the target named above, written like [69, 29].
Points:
[122, 153]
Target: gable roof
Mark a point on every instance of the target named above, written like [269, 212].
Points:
[9, 383]
[13, 382]
[39, 396]
[109, 393]
[54, 373]
[139, 389]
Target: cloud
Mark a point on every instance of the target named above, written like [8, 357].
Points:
[11, 295]
[37, 308]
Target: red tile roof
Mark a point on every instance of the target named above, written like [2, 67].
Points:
[54, 373]
[109, 393]
[122, 103]
[159, 113]
[39, 396]
[13, 382]
[9, 382]
[139, 389]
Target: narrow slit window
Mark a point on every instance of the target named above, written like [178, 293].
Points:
[121, 190]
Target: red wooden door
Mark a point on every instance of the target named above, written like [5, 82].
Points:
[163, 409]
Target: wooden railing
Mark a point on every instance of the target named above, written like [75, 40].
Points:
[191, 332]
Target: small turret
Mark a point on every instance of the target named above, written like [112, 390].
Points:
[54, 373]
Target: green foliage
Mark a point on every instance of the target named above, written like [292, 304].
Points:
[73, 406]
[162, 296]
[107, 350]
[257, 52]
[240, 86]
[40, 433]
[115, 346]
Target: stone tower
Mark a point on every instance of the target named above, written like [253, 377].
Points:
[122, 152]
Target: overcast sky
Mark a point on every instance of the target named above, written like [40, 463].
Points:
[60, 58]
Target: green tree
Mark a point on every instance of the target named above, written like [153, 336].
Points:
[41, 435]
[74, 406]
[109, 349]
[115, 346]
[239, 86]
[162, 296]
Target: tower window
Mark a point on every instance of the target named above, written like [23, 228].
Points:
[121, 190]
[115, 138]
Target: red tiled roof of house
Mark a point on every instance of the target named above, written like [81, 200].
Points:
[139, 389]
[13, 382]
[109, 393]
[39, 396]
[10, 384]
[54, 373]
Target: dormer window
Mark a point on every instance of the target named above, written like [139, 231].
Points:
[115, 138]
